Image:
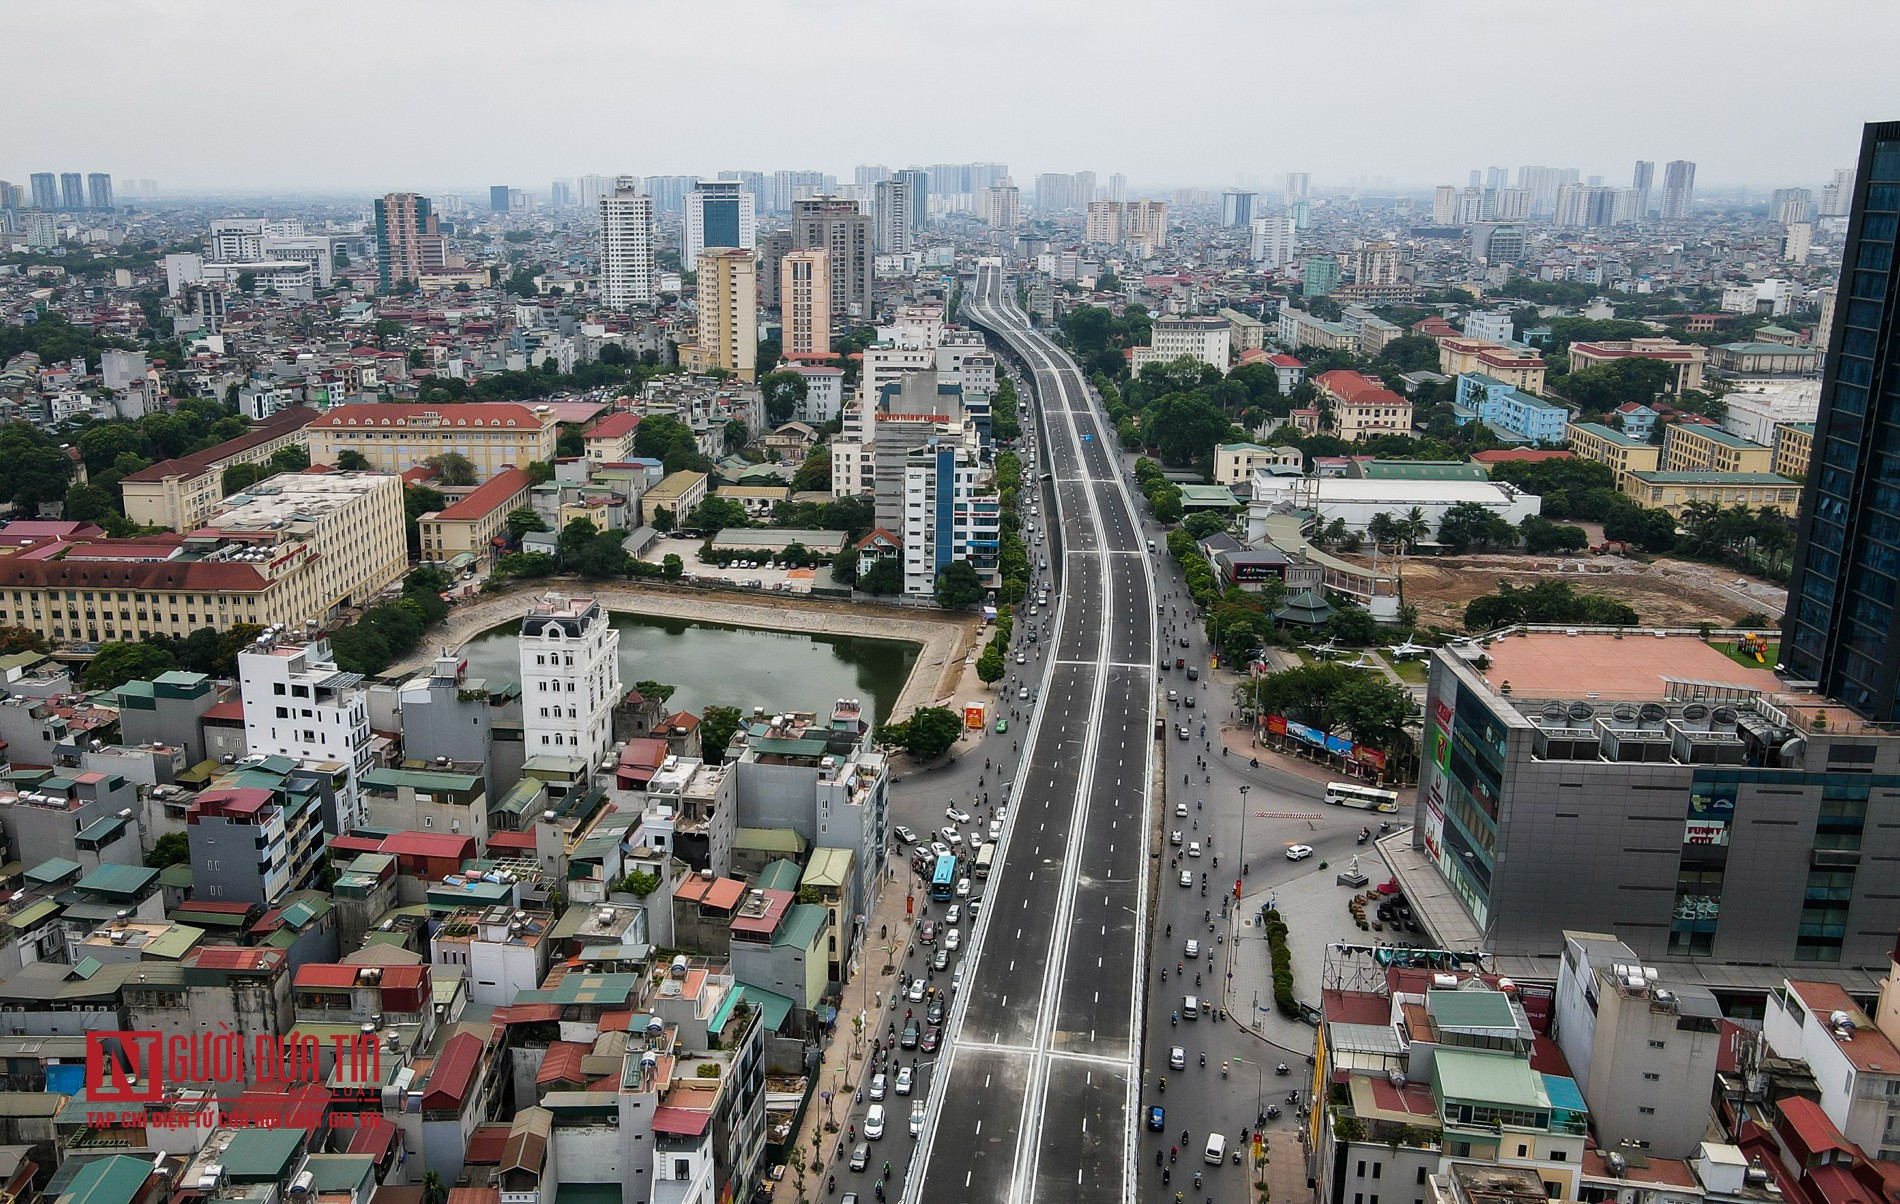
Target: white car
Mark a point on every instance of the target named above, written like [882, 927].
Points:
[916, 992]
[874, 1122]
[1174, 837]
[1022, 658]
[952, 836]
[1022, 695]
[1298, 852]
[904, 1080]
[996, 829]
[956, 816]
[905, 835]
[1187, 879]
[1177, 1058]
[1180, 810]
[1194, 948]
[1194, 848]
[939, 849]
[877, 1086]
[963, 886]
[954, 915]
[952, 940]
[917, 1118]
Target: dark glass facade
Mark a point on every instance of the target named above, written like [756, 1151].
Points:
[1840, 621]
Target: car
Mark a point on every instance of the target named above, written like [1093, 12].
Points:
[1182, 731]
[906, 1079]
[1022, 695]
[1193, 948]
[939, 849]
[932, 1036]
[963, 888]
[954, 915]
[905, 835]
[974, 905]
[1022, 658]
[934, 1013]
[874, 1122]
[996, 829]
[1034, 610]
[1002, 725]
[849, 1197]
[860, 1156]
[917, 1118]
[916, 992]
[941, 961]
[1165, 666]
[961, 817]
[877, 1086]
[910, 1036]
[1194, 673]
[1177, 1058]
[1174, 837]
[951, 835]
[1194, 848]
[1174, 695]
[1188, 702]
[1187, 879]
[1034, 636]
[953, 940]
[1180, 810]
[1157, 1118]
[1298, 852]
[1184, 641]
[929, 934]
[1180, 662]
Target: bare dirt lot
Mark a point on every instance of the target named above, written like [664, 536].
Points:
[1663, 592]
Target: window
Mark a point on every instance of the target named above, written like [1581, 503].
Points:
[1421, 1176]
[1651, 1076]
[1658, 1044]
[1646, 1111]
[1361, 1173]
[1523, 1151]
[682, 1168]
[1375, 1174]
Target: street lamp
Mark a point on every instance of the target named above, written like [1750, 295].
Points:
[1243, 843]
[1260, 1088]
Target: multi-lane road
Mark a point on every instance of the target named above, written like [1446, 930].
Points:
[1036, 1096]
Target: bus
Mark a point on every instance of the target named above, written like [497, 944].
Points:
[943, 879]
[1365, 798]
[985, 858]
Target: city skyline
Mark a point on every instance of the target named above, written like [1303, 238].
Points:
[1038, 122]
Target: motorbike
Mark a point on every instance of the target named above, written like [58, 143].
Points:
[1254, 761]
[1273, 1111]
[1282, 1070]
[1292, 1097]
[1365, 834]
[1163, 1087]
[1236, 1157]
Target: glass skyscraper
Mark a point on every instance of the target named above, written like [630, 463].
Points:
[1840, 627]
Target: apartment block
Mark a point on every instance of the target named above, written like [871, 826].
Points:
[947, 516]
[728, 318]
[1701, 447]
[395, 438]
[1794, 447]
[805, 303]
[570, 678]
[180, 494]
[1625, 454]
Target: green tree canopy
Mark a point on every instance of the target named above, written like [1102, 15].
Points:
[117, 663]
[784, 393]
[452, 469]
[958, 586]
[716, 729]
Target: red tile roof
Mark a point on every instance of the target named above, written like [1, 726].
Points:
[427, 844]
[1284, 361]
[1869, 1049]
[681, 1122]
[174, 575]
[276, 426]
[453, 1073]
[501, 489]
[614, 426]
[233, 710]
[452, 414]
[1502, 454]
[562, 1064]
[316, 975]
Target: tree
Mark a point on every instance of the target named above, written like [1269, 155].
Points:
[101, 444]
[452, 469]
[21, 639]
[239, 477]
[1543, 537]
[715, 514]
[351, 460]
[1352, 627]
[247, 282]
[716, 729]
[656, 691]
[418, 500]
[926, 735]
[991, 666]
[90, 504]
[522, 520]
[673, 567]
[1203, 523]
[524, 565]
[32, 468]
[294, 458]
[173, 848]
[118, 662]
[784, 393]
[883, 578]
[958, 585]
[1470, 524]
[1166, 504]
[814, 475]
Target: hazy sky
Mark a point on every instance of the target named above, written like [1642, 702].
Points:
[358, 96]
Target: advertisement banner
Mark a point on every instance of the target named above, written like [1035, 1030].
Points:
[1276, 724]
[1339, 745]
[1435, 818]
[1703, 831]
[1438, 748]
[1311, 735]
[1367, 755]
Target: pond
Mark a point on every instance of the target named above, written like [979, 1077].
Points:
[715, 664]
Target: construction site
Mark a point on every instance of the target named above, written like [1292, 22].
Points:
[1662, 591]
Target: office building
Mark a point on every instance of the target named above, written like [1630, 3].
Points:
[1678, 189]
[718, 214]
[1206, 338]
[298, 704]
[99, 191]
[891, 215]
[1320, 276]
[1641, 182]
[627, 269]
[945, 517]
[72, 191]
[790, 187]
[1103, 224]
[773, 248]
[1297, 185]
[179, 494]
[805, 303]
[1470, 206]
[498, 198]
[839, 229]
[1717, 819]
[408, 242]
[560, 194]
[45, 190]
[462, 534]
[728, 312]
[395, 438]
[1272, 242]
[1840, 617]
[1002, 205]
[1685, 360]
[1582, 207]
[1236, 207]
[570, 678]
[1837, 195]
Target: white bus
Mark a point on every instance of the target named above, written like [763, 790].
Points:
[985, 858]
[1365, 798]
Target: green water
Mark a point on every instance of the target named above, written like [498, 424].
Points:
[714, 664]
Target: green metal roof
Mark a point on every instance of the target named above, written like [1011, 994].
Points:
[1207, 495]
[429, 781]
[522, 796]
[176, 941]
[776, 1007]
[1488, 1078]
[803, 923]
[1716, 434]
[53, 869]
[1609, 435]
[261, 1155]
[780, 746]
[779, 874]
[339, 1172]
[1420, 470]
[113, 1180]
[118, 879]
[1470, 1009]
[605, 990]
[178, 874]
[828, 868]
[781, 840]
[33, 913]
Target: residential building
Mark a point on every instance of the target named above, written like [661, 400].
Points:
[1245, 332]
[408, 242]
[628, 270]
[1236, 463]
[1376, 263]
[1445, 205]
[243, 849]
[1511, 411]
[298, 704]
[718, 214]
[1624, 453]
[1145, 223]
[1103, 223]
[945, 517]
[773, 248]
[464, 534]
[1205, 338]
[837, 228]
[1686, 359]
[1794, 448]
[1272, 240]
[891, 217]
[45, 195]
[1643, 1049]
[180, 494]
[1520, 368]
[1582, 207]
[1498, 242]
[610, 441]
[1855, 1064]
[1236, 207]
[1675, 491]
[395, 438]
[72, 191]
[570, 678]
[1666, 736]
[99, 191]
[1701, 447]
[728, 336]
[1678, 189]
[1641, 181]
[1493, 326]
[501, 951]
[1002, 205]
[1288, 371]
[1319, 276]
[1363, 407]
[805, 303]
